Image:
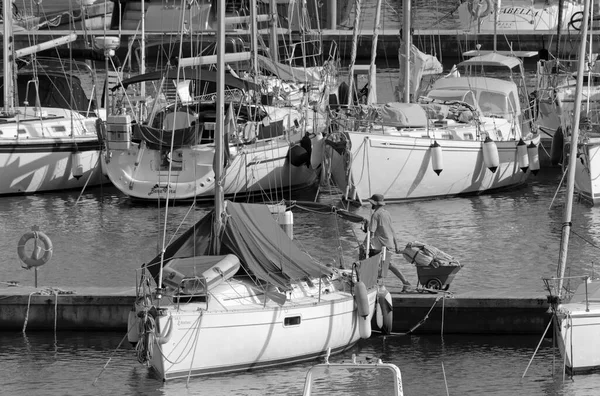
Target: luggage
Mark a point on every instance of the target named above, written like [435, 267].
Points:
[424, 255]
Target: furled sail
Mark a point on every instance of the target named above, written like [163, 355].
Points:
[421, 64]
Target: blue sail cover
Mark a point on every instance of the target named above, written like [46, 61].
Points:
[252, 234]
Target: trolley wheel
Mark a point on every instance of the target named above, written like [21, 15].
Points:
[433, 284]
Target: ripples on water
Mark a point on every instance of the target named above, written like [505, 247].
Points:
[91, 364]
[507, 242]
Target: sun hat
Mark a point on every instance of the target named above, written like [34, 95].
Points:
[377, 199]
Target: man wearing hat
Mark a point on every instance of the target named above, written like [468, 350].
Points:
[382, 234]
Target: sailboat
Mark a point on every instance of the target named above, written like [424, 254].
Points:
[271, 147]
[234, 292]
[518, 16]
[575, 314]
[467, 135]
[48, 140]
[556, 101]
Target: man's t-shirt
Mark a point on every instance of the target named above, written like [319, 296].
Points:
[380, 227]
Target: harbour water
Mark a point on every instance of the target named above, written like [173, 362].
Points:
[507, 241]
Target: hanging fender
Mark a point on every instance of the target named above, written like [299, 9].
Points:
[362, 304]
[36, 258]
[522, 155]
[480, 8]
[534, 158]
[384, 305]
[490, 154]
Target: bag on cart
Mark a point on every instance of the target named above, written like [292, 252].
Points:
[424, 255]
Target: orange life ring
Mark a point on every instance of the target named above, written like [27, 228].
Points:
[36, 258]
[480, 8]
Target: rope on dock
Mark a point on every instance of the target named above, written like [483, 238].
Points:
[45, 292]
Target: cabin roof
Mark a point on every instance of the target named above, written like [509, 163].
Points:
[492, 59]
[475, 84]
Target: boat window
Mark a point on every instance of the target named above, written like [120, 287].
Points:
[492, 103]
[512, 103]
[452, 95]
[291, 321]
[61, 92]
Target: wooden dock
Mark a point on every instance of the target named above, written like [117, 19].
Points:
[107, 309]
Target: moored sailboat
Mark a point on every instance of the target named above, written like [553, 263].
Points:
[48, 140]
[575, 315]
[465, 136]
[270, 146]
[235, 293]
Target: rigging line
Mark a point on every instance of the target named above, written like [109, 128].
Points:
[559, 186]
[538, 346]
[111, 356]
[585, 239]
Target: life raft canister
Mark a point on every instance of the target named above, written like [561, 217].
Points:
[480, 8]
[40, 254]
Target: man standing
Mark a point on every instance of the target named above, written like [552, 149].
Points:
[382, 234]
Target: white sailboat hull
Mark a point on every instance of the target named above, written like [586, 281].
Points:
[226, 340]
[516, 16]
[400, 167]
[59, 152]
[579, 336]
[253, 170]
[587, 171]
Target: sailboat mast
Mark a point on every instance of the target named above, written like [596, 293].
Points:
[566, 225]
[7, 56]
[219, 124]
[353, 52]
[407, 37]
[273, 25]
[143, 50]
[496, 19]
[372, 96]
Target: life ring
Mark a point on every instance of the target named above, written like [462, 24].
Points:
[36, 258]
[477, 10]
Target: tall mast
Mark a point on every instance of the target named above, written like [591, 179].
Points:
[353, 52]
[566, 225]
[219, 125]
[274, 45]
[7, 57]
[407, 37]
[372, 96]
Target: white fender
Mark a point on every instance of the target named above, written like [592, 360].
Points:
[364, 327]
[384, 303]
[522, 155]
[362, 299]
[490, 154]
[316, 155]
[76, 165]
[133, 327]
[437, 157]
[534, 158]
[378, 316]
[362, 305]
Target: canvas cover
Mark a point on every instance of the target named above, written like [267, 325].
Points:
[290, 73]
[403, 115]
[252, 234]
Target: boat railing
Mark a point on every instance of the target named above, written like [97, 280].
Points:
[558, 293]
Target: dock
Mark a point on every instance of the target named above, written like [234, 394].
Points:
[25, 308]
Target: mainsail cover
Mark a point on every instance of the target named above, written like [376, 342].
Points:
[253, 235]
